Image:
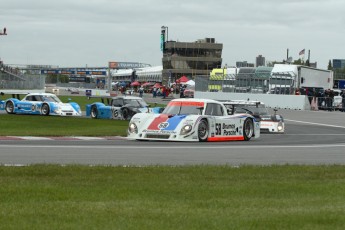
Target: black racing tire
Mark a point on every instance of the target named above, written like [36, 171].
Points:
[248, 129]
[125, 114]
[9, 107]
[45, 110]
[203, 130]
[94, 112]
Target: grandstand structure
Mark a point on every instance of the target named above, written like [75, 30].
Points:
[146, 74]
[29, 77]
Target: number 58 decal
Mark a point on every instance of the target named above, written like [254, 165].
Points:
[218, 129]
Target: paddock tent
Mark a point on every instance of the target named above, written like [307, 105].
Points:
[182, 79]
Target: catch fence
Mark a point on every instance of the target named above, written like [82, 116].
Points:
[24, 81]
[252, 83]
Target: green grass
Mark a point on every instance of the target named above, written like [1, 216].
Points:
[196, 197]
[36, 125]
[81, 100]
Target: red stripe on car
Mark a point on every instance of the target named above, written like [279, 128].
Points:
[230, 138]
[154, 124]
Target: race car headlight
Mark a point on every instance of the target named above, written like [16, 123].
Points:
[57, 109]
[186, 129]
[280, 126]
[132, 128]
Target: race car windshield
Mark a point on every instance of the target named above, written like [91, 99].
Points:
[51, 99]
[251, 108]
[136, 103]
[178, 108]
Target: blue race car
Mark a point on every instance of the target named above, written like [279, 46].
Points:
[120, 107]
[41, 104]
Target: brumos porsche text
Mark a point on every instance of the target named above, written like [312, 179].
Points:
[159, 131]
[228, 129]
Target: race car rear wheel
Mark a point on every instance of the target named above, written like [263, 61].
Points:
[9, 107]
[94, 112]
[248, 129]
[203, 131]
[45, 110]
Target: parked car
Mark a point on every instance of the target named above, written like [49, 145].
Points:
[189, 92]
[337, 100]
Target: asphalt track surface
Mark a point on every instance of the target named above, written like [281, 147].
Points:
[311, 137]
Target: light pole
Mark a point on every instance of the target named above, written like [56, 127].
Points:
[164, 39]
[224, 67]
[3, 32]
[166, 31]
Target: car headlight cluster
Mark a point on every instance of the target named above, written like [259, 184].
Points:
[186, 129]
[132, 128]
[280, 126]
[56, 109]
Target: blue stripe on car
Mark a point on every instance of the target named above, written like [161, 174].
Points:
[174, 122]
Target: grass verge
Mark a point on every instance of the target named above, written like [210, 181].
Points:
[35, 125]
[196, 197]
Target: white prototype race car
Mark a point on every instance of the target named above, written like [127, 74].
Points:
[269, 123]
[193, 120]
[40, 104]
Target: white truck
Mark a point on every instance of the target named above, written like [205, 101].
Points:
[285, 79]
[315, 78]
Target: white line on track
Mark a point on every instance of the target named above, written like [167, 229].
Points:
[173, 147]
[312, 123]
[313, 134]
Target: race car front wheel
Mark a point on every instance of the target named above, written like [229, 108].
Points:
[45, 110]
[94, 112]
[9, 107]
[203, 131]
[248, 129]
[125, 114]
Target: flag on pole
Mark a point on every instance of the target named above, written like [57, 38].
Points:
[301, 52]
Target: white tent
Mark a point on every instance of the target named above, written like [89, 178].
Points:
[190, 82]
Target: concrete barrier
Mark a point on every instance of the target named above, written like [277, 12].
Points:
[296, 102]
[21, 91]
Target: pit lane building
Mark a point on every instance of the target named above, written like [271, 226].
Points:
[189, 58]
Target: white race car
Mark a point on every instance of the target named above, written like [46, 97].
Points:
[193, 120]
[40, 104]
[271, 123]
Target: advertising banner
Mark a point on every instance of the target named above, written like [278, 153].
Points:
[127, 65]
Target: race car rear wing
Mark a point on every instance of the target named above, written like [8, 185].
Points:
[103, 98]
[14, 94]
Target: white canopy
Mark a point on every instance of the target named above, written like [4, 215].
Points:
[190, 82]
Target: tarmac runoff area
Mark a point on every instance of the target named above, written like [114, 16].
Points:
[311, 137]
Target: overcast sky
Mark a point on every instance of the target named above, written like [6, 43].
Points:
[93, 32]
